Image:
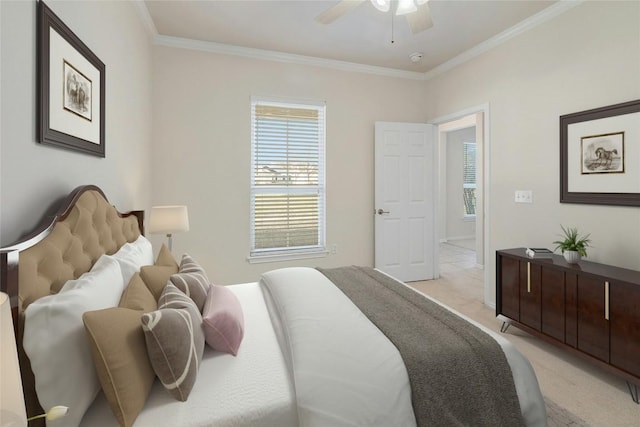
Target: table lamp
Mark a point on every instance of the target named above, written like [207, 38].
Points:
[168, 220]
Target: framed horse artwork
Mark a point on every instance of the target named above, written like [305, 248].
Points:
[600, 155]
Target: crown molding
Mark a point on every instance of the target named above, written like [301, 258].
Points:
[269, 55]
[539, 18]
[272, 55]
[143, 14]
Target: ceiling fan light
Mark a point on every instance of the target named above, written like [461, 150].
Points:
[406, 6]
[382, 5]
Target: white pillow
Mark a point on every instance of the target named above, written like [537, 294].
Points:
[146, 248]
[56, 342]
[132, 256]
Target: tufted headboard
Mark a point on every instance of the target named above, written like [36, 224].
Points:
[67, 245]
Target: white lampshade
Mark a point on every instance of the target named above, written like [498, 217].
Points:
[12, 409]
[168, 219]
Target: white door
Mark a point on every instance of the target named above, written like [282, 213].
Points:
[405, 176]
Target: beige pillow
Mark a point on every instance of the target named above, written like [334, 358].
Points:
[137, 296]
[156, 277]
[120, 356]
[165, 258]
[175, 341]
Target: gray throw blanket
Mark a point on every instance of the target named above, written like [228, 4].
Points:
[459, 375]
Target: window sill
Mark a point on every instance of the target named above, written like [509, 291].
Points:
[287, 256]
[469, 218]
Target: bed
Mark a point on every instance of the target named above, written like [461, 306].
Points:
[316, 347]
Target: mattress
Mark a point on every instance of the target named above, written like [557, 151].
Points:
[252, 389]
[333, 363]
[268, 384]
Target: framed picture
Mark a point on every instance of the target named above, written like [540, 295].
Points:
[603, 153]
[600, 155]
[71, 88]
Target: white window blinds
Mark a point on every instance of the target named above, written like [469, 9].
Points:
[287, 177]
[469, 178]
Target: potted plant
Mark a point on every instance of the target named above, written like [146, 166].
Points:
[573, 246]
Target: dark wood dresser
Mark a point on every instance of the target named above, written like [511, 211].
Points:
[589, 309]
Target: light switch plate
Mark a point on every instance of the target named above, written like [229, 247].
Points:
[524, 196]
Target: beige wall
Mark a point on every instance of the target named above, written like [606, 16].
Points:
[586, 58]
[201, 154]
[198, 150]
[202, 133]
[33, 176]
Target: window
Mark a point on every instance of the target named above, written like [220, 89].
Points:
[469, 178]
[287, 178]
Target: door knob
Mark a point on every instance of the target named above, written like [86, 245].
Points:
[380, 212]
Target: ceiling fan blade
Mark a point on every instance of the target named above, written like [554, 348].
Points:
[420, 20]
[337, 10]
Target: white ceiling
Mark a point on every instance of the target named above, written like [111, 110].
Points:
[363, 36]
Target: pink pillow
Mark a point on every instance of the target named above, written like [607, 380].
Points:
[223, 321]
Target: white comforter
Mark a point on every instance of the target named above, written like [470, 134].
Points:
[346, 372]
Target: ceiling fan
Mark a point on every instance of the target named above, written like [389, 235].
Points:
[416, 11]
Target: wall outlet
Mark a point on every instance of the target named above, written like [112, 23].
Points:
[524, 196]
[334, 248]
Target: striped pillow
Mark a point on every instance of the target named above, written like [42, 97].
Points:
[175, 341]
[188, 265]
[194, 285]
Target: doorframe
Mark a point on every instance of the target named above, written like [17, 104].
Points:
[486, 186]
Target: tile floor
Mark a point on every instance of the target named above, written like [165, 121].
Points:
[456, 255]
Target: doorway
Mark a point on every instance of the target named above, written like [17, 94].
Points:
[463, 228]
[457, 199]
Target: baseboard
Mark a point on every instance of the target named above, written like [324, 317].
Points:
[448, 239]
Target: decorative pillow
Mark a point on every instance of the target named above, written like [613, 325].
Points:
[121, 360]
[188, 265]
[165, 258]
[132, 256]
[137, 296]
[194, 285]
[175, 341]
[222, 320]
[156, 278]
[56, 344]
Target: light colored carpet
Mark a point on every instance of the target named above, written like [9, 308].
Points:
[560, 417]
[595, 396]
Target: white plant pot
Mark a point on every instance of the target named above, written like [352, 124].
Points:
[572, 257]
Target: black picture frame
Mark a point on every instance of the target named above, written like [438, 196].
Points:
[567, 171]
[67, 115]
